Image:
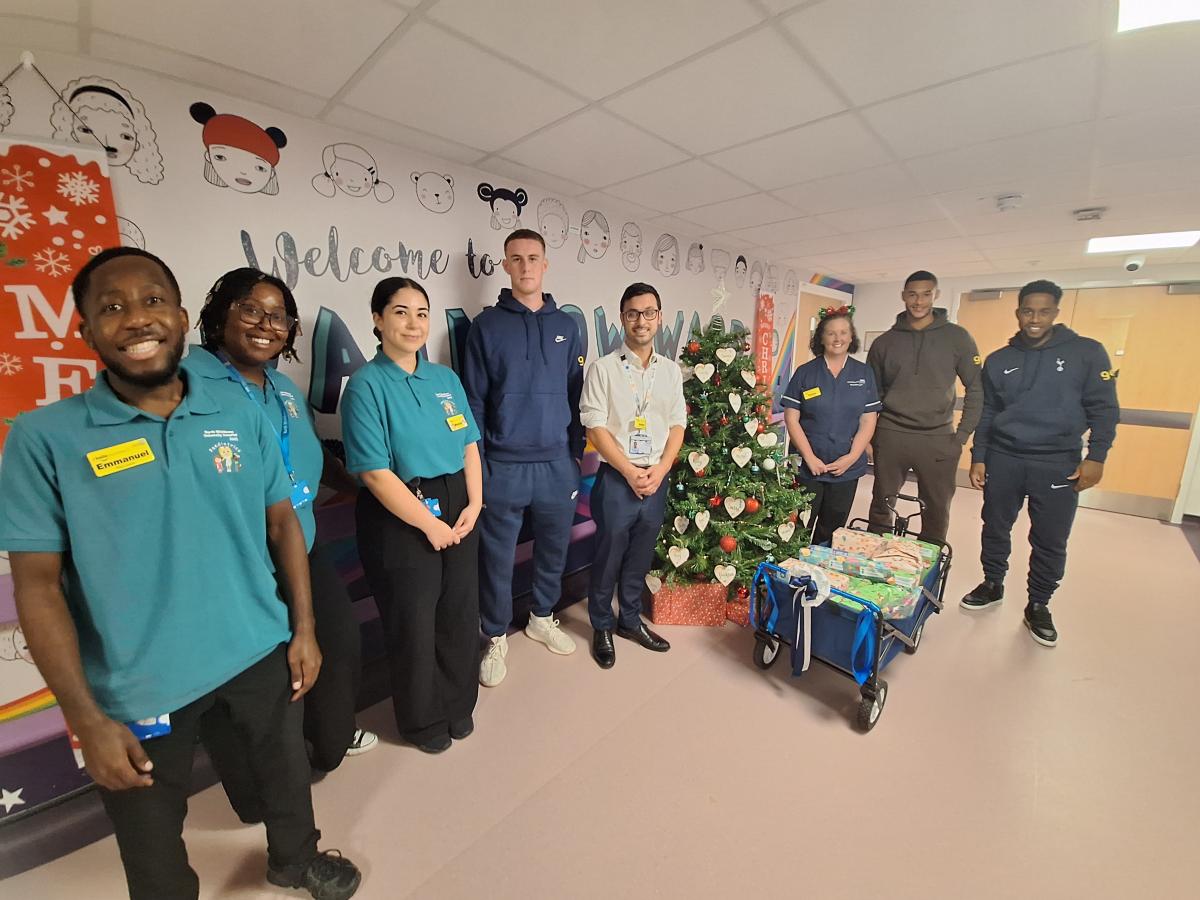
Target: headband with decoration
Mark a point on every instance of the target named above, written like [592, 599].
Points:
[842, 310]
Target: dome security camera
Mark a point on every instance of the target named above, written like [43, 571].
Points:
[1134, 263]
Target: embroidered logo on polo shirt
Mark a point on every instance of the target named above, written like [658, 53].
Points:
[289, 403]
[860, 382]
[226, 457]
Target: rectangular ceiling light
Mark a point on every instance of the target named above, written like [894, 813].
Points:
[1146, 13]
[1127, 242]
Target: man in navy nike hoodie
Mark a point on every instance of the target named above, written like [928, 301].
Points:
[523, 374]
[1040, 394]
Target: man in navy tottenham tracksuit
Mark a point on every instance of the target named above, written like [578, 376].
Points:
[523, 373]
[1040, 394]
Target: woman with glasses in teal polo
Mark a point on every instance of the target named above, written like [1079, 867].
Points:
[248, 322]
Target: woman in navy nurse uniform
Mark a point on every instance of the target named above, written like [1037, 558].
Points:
[830, 408]
[410, 437]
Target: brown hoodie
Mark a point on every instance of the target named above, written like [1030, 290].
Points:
[915, 372]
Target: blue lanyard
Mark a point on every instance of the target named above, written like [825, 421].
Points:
[283, 432]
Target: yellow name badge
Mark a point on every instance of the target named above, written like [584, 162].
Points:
[120, 457]
[811, 394]
[639, 423]
[457, 423]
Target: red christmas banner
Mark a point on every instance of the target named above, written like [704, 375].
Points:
[56, 212]
[764, 332]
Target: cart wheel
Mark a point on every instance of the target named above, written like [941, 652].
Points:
[871, 708]
[765, 652]
[916, 638]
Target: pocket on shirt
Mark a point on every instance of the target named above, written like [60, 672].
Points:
[531, 421]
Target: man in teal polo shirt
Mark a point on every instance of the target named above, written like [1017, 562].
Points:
[148, 525]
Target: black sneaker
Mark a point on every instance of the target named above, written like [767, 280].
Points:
[1040, 625]
[983, 596]
[328, 876]
[462, 728]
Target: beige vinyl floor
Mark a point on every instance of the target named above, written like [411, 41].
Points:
[998, 769]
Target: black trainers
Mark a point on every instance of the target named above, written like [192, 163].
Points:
[328, 876]
[983, 596]
[1040, 625]
[462, 728]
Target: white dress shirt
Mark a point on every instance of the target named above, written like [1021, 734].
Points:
[614, 387]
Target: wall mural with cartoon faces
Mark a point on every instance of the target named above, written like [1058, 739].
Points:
[756, 278]
[506, 205]
[739, 270]
[772, 280]
[554, 222]
[720, 263]
[100, 111]
[12, 644]
[352, 170]
[666, 255]
[594, 235]
[695, 258]
[6, 107]
[435, 191]
[791, 283]
[631, 246]
[131, 234]
[237, 153]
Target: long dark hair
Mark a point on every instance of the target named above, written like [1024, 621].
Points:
[238, 285]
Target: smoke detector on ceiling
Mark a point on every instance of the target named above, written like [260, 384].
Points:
[1006, 202]
[1089, 213]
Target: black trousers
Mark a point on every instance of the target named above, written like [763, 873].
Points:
[830, 508]
[149, 821]
[934, 458]
[328, 707]
[1052, 505]
[429, 606]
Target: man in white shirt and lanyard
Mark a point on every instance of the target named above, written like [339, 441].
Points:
[633, 409]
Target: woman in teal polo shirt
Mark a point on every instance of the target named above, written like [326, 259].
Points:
[410, 437]
[248, 321]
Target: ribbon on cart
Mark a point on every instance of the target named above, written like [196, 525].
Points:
[804, 598]
[862, 650]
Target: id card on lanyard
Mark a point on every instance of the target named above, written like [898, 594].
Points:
[302, 494]
[640, 443]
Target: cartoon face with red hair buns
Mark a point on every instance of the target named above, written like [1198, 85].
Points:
[237, 153]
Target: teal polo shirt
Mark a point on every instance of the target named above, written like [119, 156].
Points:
[168, 576]
[281, 397]
[394, 420]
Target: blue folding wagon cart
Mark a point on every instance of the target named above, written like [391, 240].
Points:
[852, 635]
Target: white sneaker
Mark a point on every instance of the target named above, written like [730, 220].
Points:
[545, 630]
[493, 669]
[363, 742]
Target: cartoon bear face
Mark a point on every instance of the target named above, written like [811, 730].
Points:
[12, 643]
[434, 191]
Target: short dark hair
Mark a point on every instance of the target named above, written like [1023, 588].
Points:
[386, 289]
[83, 278]
[636, 290]
[921, 275]
[1041, 286]
[523, 234]
[237, 285]
[815, 344]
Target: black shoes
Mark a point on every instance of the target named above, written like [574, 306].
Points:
[985, 595]
[603, 650]
[437, 744]
[462, 728]
[644, 636]
[328, 876]
[1040, 625]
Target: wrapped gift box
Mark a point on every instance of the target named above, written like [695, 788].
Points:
[738, 612]
[689, 604]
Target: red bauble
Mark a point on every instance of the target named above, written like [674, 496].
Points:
[716, 381]
[763, 410]
[714, 502]
[743, 592]
[761, 427]
[728, 544]
[693, 346]
[702, 473]
[752, 505]
[706, 430]
[724, 420]
[794, 517]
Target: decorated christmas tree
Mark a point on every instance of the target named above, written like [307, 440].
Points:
[734, 501]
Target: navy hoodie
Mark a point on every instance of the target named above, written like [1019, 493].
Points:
[523, 374]
[1040, 400]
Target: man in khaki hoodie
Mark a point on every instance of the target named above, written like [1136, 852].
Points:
[916, 363]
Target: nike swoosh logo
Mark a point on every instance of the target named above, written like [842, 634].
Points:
[560, 338]
[1055, 487]
[1010, 371]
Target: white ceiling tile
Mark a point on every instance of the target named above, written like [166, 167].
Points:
[786, 232]
[742, 212]
[59, 10]
[531, 179]
[292, 50]
[904, 234]
[1132, 179]
[596, 48]
[778, 6]
[883, 215]
[1018, 99]
[728, 242]
[1148, 136]
[594, 148]
[688, 104]
[603, 201]
[1064, 190]
[875, 50]
[1152, 69]
[429, 65]
[677, 226]
[814, 247]
[206, 74]
[35, 34]
[865, 187]
[404, 135]
[1025, 252]
[681, 187]
[830, 147]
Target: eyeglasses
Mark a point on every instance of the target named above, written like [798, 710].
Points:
[252, 315]
[631, 315]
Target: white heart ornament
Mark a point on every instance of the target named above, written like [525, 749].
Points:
[681, 524]
[698, 460]
[749, 377]
[768, 439]
[702, 518]
[654, 583]
[752, 427]
[705, 371]
[727, 355]
[735, 402]
[741, 456]
[725, 574]
[786, 530]
[735, 506]
[679, 555]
